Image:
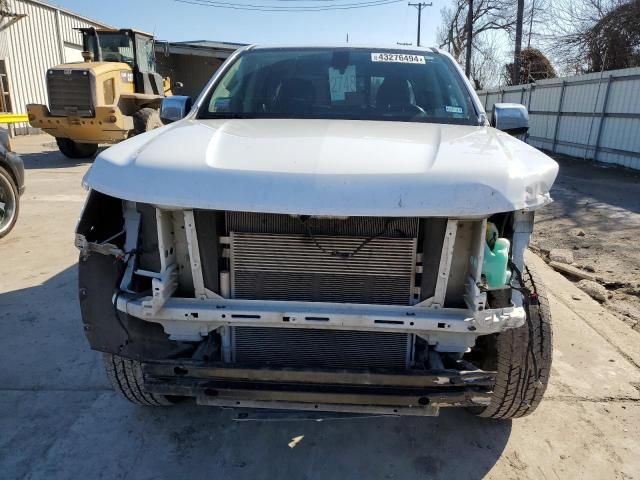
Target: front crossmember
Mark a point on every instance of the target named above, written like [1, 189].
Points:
[419, 393]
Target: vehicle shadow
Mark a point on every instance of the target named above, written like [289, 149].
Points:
[43, 350]
[453, 445]
[583, 182]
[206, 442]
[42, 344]
[50, 159]
[593, 198]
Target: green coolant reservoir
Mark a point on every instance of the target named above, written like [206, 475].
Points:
[494, 266]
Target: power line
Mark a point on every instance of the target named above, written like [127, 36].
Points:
[419, 6]
[301, 8]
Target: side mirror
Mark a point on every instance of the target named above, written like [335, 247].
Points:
[174, 108]
[511, 118]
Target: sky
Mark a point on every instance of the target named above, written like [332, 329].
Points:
[174, 21]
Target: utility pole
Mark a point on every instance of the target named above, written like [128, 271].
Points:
[467, 63]
[419, 6]
[517, 50]
[533, 12]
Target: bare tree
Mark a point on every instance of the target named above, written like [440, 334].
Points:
[486, 64]
[614, 42]
[490, 19]
[488, 15]
[571, 35]
[4, 9]
[7, 18]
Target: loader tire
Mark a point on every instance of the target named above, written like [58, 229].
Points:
[71, 149]
[126, 377]
[145, 120]
[518, 390]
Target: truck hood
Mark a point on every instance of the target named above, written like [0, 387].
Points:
[327, 167]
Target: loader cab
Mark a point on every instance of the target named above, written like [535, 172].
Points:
[132, 47]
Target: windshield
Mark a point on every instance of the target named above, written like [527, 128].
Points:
[342, 83]
[115, 47]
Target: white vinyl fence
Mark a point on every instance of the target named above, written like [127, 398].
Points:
[593, 116]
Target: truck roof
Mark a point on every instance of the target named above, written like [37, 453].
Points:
[407, 48]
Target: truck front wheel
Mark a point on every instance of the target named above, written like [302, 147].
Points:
[126, 377]
[521, 356]
[72, 149]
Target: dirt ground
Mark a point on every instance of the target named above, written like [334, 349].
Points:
[60, 418]
[596, 214]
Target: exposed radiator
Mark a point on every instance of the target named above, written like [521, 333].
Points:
[351, 260]
[306, 347]
[394, 227]
[297, 267]
[284, 257]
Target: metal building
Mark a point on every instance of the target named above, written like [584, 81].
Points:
[33, 37]
[191, 63]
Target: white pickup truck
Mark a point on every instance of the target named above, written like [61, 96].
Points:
[327, 228]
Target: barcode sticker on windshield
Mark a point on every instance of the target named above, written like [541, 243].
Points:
[397, 58]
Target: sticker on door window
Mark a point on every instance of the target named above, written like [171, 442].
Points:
[397, 58]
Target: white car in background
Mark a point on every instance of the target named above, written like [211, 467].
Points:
[328, 228]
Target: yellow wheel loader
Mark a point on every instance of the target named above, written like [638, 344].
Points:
[113, 94]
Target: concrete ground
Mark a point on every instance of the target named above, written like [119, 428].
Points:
[596, 216]
[60, 419]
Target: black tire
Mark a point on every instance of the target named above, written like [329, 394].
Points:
[9, 202]
[518, 390]
[71, 149]
[145, 120]
[126, 377]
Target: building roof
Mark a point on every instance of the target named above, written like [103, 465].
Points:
[69, 12]
[211, 44]
[205, 48]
